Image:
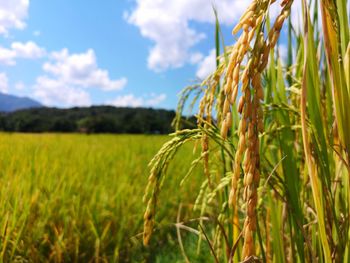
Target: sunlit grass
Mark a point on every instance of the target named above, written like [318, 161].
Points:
[77, 198]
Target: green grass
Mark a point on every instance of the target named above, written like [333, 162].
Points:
[77, 198]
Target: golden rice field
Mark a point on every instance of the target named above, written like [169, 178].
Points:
[264, 176]
[78, 198]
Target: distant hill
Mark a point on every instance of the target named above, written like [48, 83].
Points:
[9, 103]
[95, 119]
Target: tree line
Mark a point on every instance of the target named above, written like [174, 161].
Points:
[95, 119]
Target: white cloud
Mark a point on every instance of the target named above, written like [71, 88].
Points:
[19, 86]
[68, 75]
[167, 24]
[3, 83]
[130, 100]
[196, 58]
[283, 53]
[54, 92]
[155, 99]
[207, 65]
[7, 56]
[297, 16]
[81, 70]
[28, 50]
[12, 14]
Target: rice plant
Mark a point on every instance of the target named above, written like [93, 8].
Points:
[276, 162]
[76, 198]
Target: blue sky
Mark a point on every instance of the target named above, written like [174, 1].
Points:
[120, 52]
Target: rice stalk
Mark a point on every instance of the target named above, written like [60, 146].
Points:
[276, 163]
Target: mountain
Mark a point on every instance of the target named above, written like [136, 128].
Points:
[9, 103]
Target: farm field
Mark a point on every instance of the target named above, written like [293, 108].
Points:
[257, 168]
[78, 198]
